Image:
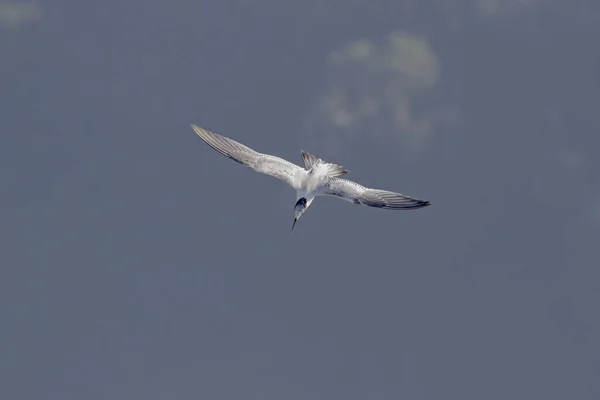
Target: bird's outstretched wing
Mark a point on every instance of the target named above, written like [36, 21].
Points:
[263, 163]
[358, 194]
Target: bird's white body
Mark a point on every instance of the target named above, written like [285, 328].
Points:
[317, 178]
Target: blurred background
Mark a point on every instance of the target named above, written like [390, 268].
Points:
[138, 263]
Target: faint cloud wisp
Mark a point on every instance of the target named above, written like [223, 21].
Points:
[15, 14]
[381, 90]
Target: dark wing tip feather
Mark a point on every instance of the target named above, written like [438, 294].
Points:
[391, 200]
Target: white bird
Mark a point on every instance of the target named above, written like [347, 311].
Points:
[317, 178]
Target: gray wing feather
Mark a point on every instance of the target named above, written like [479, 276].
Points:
[390, 200]
[263, 163]
[358, 194]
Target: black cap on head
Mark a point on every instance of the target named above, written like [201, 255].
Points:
[301, 202]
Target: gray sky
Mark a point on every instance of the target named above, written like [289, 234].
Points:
[137, 263]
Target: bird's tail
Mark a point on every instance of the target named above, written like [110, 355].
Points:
[331, 169]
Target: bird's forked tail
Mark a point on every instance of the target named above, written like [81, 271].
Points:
[331, 169]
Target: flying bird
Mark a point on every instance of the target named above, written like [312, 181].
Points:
[317, 178]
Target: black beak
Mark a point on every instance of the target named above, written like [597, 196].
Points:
[294, 224]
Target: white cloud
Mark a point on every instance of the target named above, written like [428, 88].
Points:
[382, 90]
[14, 14]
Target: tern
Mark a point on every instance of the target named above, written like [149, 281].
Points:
[317, 178]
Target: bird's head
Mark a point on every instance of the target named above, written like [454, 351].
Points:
[299, 209]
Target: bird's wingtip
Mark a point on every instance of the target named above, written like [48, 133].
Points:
[199, 131]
